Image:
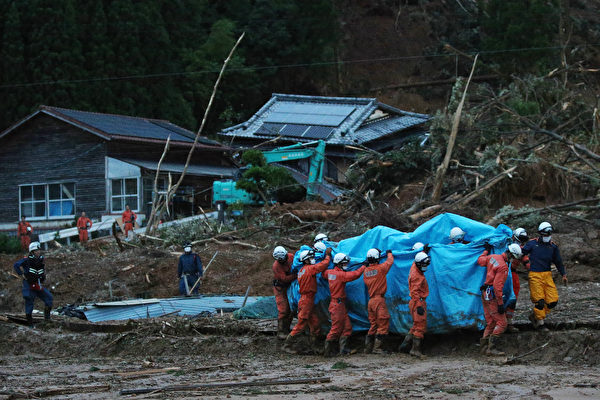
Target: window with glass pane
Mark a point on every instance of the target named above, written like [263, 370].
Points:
[125, 191]
[61, 199]
[33, 200]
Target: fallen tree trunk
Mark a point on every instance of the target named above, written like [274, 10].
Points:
[174, 388]
[443, 167]
[478, 192]
[424, 213]
[518, 213]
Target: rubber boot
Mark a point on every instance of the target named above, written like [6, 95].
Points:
[416, 348]
[369, 343]
[29, 319]
[379, 339]
[405, 346]
[483, 344]
[47, 313]
[344, 349]
[290, 345]
[281, 332]
[314, 340]
[510, 328]
[492, 349]
[330, 348]
[542, 327]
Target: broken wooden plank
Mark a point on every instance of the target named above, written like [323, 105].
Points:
[175, 388]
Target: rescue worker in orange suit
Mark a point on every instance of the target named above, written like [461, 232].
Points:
[519, 237]
[24, 232]
[375, 278]
[83, 225]
[32, 269]
[282, 278]
[457, 235]
[129, 218]
[307, 282]
[542, 254]
[341, 327]
[419, 290]
[491, 295]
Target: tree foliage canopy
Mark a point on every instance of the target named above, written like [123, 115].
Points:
[158, 59]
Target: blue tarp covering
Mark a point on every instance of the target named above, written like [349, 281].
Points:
[454, 277]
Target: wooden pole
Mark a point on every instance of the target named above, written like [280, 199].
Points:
[200, 278]
[441, 171]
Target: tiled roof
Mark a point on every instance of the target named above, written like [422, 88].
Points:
[337, 120]
[111, 126]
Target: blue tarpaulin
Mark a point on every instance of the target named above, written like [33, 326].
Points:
[454, 277]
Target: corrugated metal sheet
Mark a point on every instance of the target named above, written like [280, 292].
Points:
[189, 306]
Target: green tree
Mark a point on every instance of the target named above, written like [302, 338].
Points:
[509, 24]
[12, 67]
[268, 182]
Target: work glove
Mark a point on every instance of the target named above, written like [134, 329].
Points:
[564, 279]
[388, 251]
[483, 287]
[501, 309]
[426, 248]
[328, 251]
[420, 310]
[488, 247]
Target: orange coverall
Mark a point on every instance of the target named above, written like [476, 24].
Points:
[419, 290]
[376, 282]
[307, 281]
[524, 261]
[497, 272]
[24, 234]
[128, 221]
[282, 277]
[83, 224]
[340, 321]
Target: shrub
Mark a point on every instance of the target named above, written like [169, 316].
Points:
[9, 244]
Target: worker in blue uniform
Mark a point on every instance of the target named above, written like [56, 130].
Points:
[33, 271]
[189, 271]
[543, 252]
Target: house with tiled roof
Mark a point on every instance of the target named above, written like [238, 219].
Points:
[57, 162]
[347, 125]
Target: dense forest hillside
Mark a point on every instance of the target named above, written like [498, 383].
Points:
[160, 58]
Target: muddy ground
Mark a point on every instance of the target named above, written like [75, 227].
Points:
[184, 351]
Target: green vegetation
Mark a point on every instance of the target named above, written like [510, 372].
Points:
[9, 244]
[268, 182]
[76, 51]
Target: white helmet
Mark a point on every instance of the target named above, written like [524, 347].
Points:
[306, 255]
[422, 260]
[456, 233]
[545, 229]
[280, 254]
[418, 246]
[320, 237]
[319, 247]
[515, 250]
[373, 256]
[34, 246]
[340, 258]
[520, 234]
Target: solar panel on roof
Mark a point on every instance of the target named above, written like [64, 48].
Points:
[305, 119]
[314, 108]
[318, 132]
[269, 129]
[294, 130]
